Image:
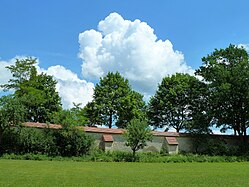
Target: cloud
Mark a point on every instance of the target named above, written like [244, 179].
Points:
[245, 46]
[133, 49]
[5, 74]
[69, 86]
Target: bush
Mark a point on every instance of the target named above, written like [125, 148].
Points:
[98, 156]
[72, 142]
[9, 143]
[37, 141]
[64, 142]
[216, 147]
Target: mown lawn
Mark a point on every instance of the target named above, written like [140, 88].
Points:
[67, 173]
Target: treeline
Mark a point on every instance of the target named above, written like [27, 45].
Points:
[217, 96]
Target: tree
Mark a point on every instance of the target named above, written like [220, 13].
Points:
[12, 113]
[36, 92]
[114, 102]
[137, 135]
[133, 106]
[174, 102]
[227, 73]
[201, 118]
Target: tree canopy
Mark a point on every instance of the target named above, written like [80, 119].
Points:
[35, 91]
[12, 113]
[226, 72]
[175, 102]
[114, 102]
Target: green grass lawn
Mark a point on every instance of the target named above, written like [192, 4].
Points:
[67, 173]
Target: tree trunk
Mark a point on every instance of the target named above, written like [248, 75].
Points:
[235, 132]
[244, 134]
[133, 155]
[1, 136]
[177, 130]
[110, 121]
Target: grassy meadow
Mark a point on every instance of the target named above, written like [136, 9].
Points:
[67, 173]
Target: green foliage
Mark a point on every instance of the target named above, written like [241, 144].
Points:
[119, 156]
[29, 140]
[22, 71]
[36, 92]
[217, 147]
[137, 134]
[209, 145]
[11, 112]
[75, 116]
[177, 103]
[72, 142]
[114, 102]
[65, 142]
[226, 71]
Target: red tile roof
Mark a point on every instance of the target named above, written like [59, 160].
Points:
[172, 140]
[103, 130]
[158, 133]
[107, 138]
[96, 129]
[42, 125]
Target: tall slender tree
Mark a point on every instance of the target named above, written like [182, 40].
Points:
[137, 135]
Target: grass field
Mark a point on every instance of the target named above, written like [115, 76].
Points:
[67, 173]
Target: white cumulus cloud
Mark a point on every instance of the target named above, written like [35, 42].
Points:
[70, 87]
[133, 49]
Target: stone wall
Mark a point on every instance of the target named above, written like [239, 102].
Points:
[184, 142]
[157, 144]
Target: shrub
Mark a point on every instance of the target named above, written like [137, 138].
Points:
[72, 142]
[64, 142]
[216, 147]
[32, 140]
[9, 143]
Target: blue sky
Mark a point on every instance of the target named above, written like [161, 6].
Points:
[49, 30]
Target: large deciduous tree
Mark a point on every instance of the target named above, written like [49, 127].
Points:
[35, 91]
[176, 102]
[226, 72]
[114, 102]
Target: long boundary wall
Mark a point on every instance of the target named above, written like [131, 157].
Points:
[181, 142]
